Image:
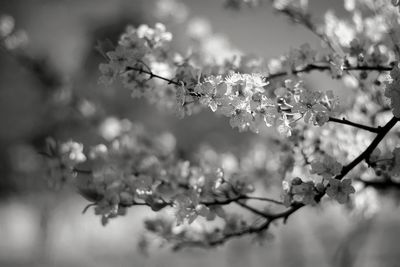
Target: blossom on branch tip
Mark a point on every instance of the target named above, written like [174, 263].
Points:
[108, 74]
[336, 64]
[156, 36]
[308, 105]
[7, 24]
[212, 91]
[328, 168]
[123, 57]
[299, 191]
[340, 190]
[180, 95]
[293, 6]
[98, 151]
[188, 208]
[72, 153]
[300, 57]
[284, 128]
[357, 47]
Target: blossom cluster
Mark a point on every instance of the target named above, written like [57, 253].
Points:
[244, 98]
[11, 38]
[308, 192]
[140, 53]
[386, 165]
[132, 167]
[62, 160]
[135, 168]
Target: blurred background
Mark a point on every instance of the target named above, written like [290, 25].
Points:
[43, 227]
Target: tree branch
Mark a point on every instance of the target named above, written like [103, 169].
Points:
[246, 231]
[253, 210]
[152, 75]
[313, 67]
[240, 197]
[296, 206]
[383, 184]
[80, 171]
[367, 152]
[305, 69]
[356, 125]
[263, 199]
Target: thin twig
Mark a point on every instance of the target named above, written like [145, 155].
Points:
[87, 172]
[305, 69]
[380, 184]
[315, 66]
[253, 210]
[356, 125]
[152, 75]
[263, 199]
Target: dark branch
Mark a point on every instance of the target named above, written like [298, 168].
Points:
[152, 75]
[384, 184]
[367, 152]
[305, 69]
[263, 199]
[356, 125]
[87, 172]
[296, 206]
[246, 231]
[253, 210]
[240, 197]
[312, 67]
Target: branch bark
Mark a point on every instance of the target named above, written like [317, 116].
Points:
[356, 125]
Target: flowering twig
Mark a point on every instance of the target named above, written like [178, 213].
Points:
[296, 206]
[251, 209]
[246, 231]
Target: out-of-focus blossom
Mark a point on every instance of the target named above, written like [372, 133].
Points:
[174, 10]
[340, 190]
